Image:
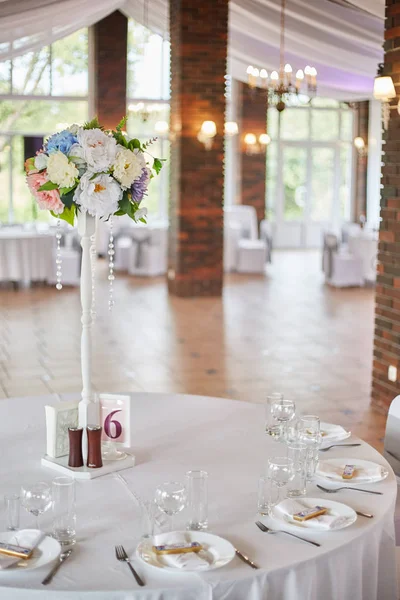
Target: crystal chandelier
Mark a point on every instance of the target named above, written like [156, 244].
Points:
[282, 87]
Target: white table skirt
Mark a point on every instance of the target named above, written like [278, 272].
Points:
[172, 434]
[26, 256]
[365, 247]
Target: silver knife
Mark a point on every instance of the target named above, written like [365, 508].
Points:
[363, 514]
[246, 560]
[61, 560]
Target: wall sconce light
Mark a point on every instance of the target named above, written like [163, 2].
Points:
[264, 139]
[207, 132]
[231, 128]
[360, 146]
[250, 141]
[384, 91]
[161, 127]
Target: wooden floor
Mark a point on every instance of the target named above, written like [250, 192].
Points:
[284, 332]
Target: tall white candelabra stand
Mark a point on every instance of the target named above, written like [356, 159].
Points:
[88, 409]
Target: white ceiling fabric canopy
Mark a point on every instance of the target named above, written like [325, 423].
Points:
[342, 40]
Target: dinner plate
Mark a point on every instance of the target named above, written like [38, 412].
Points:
[46, 552]
[217, 551]
[329, 435]
[340, 464]
[334, 509]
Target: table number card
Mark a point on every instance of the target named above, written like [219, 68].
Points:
[115, 418]
[58, 419]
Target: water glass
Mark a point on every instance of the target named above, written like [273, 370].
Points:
[272, 426]
[281, 471]
[313, 456]
[11, 502]
[292, 430]
[197, 499]
[171, 498]
[64, 510]
[283, 411]
[297, 452]
[36, 499]
[268, 495]
[309, 427]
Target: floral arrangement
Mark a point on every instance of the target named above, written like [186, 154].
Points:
[91, 169]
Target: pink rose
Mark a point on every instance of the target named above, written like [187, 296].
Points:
[47, 200]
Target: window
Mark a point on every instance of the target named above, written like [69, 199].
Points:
[309, 162]
[40, 93]
[148, 91]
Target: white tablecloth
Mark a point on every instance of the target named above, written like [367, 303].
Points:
[365, 246]
[25, 256]
[172, 434]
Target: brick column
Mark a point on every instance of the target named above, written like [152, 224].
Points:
[387, 311]
[199, 36]
[253, 104]
[110, 62]
[362, 118]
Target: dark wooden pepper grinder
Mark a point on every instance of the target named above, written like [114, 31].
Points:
[75, 458]
[94, 460]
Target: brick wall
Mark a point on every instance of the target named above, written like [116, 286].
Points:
[360, 204]
[387, 311]
[253, 103]
[199, 35]
[110, 60]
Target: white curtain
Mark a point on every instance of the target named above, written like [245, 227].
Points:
[343, 41]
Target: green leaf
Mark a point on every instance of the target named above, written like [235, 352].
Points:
[68, 198]
[68, 214]
[122, 123]
[48, 186]
[30, 164]
[64, 191]
[120, 138]
[143, 220]
[119, 213]
[134, 144]
[157, 164]
[93, 124]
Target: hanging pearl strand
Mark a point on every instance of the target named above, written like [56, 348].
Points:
[93, 257]
[58, 256]
[111, 276]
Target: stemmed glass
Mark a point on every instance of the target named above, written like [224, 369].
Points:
[281, 471]
[283, 411]
[36, 499]
[171, 498]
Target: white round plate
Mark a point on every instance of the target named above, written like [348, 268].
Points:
[340, 463]
[335, 508]
[329, 438]
[47, 551]
[217, 551]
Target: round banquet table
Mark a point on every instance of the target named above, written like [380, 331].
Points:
[25, 256]
[172, 434]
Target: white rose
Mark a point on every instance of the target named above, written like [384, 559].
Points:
[41, 161]
[128, 166]
[99, 149]
[60, 170]
[76, 154]
[99, 196]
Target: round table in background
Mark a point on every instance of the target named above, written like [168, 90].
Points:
[25, 256]
[170, 435]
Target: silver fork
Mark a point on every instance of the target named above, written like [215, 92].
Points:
[346, 487]
[122, 556]
[268, 530]
[339, 446]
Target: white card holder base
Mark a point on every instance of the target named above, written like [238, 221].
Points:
[110, 466]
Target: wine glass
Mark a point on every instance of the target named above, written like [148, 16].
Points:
[36, 499]
[171, 499]
[281, 471]
[283, 411]
[272, 428]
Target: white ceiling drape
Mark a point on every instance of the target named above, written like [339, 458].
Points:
[342, 40]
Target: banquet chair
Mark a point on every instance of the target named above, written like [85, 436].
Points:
[340, 267]
[247, 253]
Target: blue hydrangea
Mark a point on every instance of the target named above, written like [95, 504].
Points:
[61, 141]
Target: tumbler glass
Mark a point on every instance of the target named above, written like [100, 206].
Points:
[297, 452]
[197, 499]
[64, 510]
[268, 495]
[12, 502]
[272, 425]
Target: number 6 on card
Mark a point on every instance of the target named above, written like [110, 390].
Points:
[115, 419]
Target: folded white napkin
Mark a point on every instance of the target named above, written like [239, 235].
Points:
[28, 538]
[330, 520]
[334, 472]
[332, 432]
[189, 561]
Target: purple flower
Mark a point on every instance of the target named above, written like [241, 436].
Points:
[139, 186]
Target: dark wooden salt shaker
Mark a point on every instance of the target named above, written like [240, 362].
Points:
[94, 460]
[75, 458]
